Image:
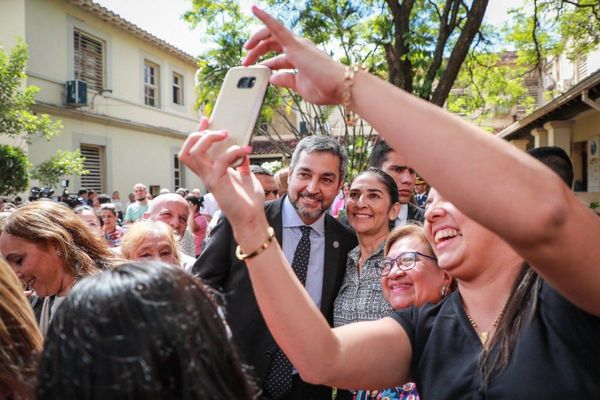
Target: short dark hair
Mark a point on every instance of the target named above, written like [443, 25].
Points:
[378, 153]
[320, 144]
[258, 170]
[196, 201]
[104, 198]
[557, 159]
[144, 330]
[82, 191]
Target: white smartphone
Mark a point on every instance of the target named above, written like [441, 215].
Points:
[238, 106]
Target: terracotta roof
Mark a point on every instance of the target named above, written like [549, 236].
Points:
[116, 20]
[260, 147]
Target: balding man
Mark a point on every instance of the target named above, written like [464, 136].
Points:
[173, 210]
[135, 211]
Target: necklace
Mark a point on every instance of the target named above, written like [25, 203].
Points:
[484, 336]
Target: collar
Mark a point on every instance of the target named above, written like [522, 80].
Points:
[291, 219]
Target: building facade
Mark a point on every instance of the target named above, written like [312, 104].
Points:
[570, 121]
[125, 97]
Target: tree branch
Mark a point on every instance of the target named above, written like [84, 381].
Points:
[460, 51]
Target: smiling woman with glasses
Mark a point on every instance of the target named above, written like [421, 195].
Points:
[405, 261]
[409, 276]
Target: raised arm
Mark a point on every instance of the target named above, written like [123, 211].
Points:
[320, 354]
[516, 196]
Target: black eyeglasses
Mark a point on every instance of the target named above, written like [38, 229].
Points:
[405, 261]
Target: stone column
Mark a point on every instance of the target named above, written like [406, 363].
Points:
[540, 136]
[559, 134]
[520, 144]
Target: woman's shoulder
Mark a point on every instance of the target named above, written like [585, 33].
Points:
[417, 321]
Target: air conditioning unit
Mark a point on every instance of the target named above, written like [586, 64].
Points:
[76, 93]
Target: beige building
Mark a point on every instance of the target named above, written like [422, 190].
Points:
[137, 109]
[570, 121]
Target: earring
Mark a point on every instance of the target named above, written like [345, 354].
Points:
[58, 253]
[444, 291]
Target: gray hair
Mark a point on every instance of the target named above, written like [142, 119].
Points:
[321, 144]
[258, 170]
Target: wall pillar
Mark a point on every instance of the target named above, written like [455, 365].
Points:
[540, 136]
[520, 144]
[559, 134]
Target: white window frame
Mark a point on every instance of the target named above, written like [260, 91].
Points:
[151, 78]
[177, 88]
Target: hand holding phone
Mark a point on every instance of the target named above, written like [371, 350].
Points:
[238, 106]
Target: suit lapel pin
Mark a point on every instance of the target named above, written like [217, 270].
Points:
[336, 244]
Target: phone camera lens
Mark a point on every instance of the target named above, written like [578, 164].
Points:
[246, 82]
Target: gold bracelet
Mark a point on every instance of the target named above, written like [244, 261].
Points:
[349, 115]
[241, 256]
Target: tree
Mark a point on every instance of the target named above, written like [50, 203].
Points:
[14, 166]
[16, 118]
[20, 123]
[422, 43]
[417, 45]
[62, 163]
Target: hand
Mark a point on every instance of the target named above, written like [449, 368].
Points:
[238, 192]
[319, 79]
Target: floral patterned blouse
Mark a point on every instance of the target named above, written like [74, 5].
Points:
[360, 297]
[408, 391]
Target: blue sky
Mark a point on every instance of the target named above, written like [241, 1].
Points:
[162, 18]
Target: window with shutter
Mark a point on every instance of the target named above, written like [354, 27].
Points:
[89, 59]
[94, 163]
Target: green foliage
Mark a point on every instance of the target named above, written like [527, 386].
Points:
[273, 166]
[16, 118]
[14, 165]
[489, 85]
[62, 163]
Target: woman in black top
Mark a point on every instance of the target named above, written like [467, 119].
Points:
[505, 333]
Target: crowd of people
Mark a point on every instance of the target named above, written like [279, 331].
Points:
[304, 284]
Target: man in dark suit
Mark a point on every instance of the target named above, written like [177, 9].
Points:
[316, 176]
[392, 162]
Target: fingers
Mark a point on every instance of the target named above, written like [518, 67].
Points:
[262, 34]
[203, 124]
[245, 167]
[274, 37]
[226, 159]
[284, 79]
[206, 140]
[193, 151]
[260, 49]
[277, 63]
[278, 31]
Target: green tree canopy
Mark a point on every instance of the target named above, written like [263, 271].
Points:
[16, 117]
[13, 167]
[62, 163]
[19, 122]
